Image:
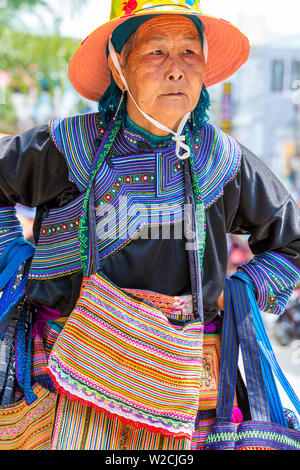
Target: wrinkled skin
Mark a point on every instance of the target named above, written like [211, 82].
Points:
[164, 72]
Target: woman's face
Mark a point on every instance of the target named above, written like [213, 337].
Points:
[164, 71]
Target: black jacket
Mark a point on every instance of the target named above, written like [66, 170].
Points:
[34, 173]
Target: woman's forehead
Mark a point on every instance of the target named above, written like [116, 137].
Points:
[164, 26]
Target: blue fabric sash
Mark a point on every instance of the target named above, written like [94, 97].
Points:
[16, 253]
[269, 362]
[243, 325]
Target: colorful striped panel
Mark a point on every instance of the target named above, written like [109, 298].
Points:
[181, 308]
[204, 424]
[42, 347]
[24, 427]
[78, 427]
[252, 435]
[51, 331]
[10, 227]
[274, 278]
[124, 357]
[75, 137]
[127, 199]
[174, 307]
[57, 253]
[217, 163]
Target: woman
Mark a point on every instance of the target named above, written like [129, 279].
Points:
[149, 69]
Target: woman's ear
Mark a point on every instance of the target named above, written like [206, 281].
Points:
[114, 71]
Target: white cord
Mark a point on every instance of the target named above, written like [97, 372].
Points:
[178, 137]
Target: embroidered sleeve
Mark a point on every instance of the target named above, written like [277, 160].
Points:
[274, 278]
[32, 173]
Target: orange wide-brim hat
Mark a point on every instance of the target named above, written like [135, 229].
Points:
[228, 47]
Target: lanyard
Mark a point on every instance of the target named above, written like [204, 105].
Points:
[87, 228]
[179, 138]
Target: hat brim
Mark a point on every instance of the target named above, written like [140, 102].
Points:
[228, 50]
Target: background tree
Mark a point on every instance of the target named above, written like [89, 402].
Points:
[31, 62]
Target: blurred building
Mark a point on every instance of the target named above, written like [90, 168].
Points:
[262, 102]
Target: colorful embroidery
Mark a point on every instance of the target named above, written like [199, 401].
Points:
[217, 156]
[26, 427]
[75, 137]
[204, 424]
[67, 227]
[78, 427]
[57, 253]
[158, 200]
[252, 435]
[125, 180]
[274, 278]
[216, 163]
[178, 166]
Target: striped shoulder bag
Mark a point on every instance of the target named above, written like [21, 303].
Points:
[267, 429]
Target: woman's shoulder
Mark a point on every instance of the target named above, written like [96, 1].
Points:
[218, 158]
[77, 137]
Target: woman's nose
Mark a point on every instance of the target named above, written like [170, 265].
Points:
[175, 71]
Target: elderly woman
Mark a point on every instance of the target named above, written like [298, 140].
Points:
[113, 195]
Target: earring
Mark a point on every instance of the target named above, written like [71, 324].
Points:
[193, 119]
[120, 103]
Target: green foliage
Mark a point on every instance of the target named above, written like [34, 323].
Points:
[33, 62]
[35, 58]
[39, 62]
[9, 9]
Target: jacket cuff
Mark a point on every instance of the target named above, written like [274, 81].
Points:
[274, 278]
[10, 227]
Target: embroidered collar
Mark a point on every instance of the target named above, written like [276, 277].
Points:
[141, 139]
[217, 160]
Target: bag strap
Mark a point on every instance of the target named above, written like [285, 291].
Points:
[229, 361]
[192, 245]
[238, 328]
[269, 361]
[87, 227]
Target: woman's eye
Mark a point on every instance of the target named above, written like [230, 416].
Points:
[188, 51]
[158, 52]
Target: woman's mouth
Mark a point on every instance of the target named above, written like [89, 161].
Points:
[174, 94]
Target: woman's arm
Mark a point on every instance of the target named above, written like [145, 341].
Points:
[33, 173]
[258, 204]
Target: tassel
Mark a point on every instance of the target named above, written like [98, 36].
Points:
[237, 416]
